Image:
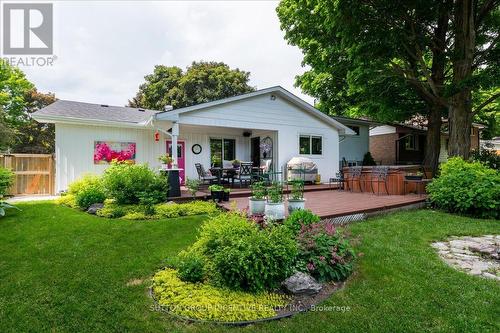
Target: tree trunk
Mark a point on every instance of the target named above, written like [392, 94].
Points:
[460, 111]
[436, 110]
[433, 139]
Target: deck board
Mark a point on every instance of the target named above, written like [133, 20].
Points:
[333, 203]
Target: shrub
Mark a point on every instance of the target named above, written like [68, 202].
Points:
[89, 196]
[113, 210]
[299, 218]
[239, 255]
[67, 200]
[191, 269]
[171, 210]
[488, 157]
[126, 183]
[6, 181]
[202, 301]
[324, 253]
[193, 185]
[133, 215]
[466, 188]
[368, 159]
[87, 180]
[85, 191]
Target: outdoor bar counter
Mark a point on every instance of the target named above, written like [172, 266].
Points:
[395, 180]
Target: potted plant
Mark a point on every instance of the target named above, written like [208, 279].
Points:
[216, 192]
[275, 207]
[166, 161]
[257, 202]
[236, 163]
[193, 185]
[414, 176]
[296, 200]
[225, 195]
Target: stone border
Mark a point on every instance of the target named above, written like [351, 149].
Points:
[284, 314]
[479, 256]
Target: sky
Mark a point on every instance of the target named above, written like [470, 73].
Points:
[104, 48]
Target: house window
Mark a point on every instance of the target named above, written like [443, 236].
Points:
[310, 145]
[354, 128]
[411, 142]
[222, 150]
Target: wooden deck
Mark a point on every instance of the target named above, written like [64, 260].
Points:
[245, 192]
[333, 203]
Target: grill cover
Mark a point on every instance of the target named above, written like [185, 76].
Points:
[302, 168]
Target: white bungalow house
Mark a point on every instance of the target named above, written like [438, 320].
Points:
[270, 123]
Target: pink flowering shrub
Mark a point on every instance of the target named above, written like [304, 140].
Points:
[324, 252]
[104, 153]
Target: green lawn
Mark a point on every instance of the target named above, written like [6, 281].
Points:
[66, 271]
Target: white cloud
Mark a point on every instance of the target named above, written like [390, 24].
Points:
[104, 49]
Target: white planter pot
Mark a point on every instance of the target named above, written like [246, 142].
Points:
[257, 206]
[296, 204]
[275, 211]
[164, 166]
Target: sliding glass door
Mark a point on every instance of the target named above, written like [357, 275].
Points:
[222, 150]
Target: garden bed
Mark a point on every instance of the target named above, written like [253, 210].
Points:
[294, 304]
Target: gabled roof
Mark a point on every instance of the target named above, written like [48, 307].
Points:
[277, 90]
[71, 111]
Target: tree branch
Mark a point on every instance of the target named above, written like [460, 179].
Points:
[486, 102]
[487, 7]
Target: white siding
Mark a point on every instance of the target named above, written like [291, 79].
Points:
[75, 149]
[279, 119]
[287, 120]
[354, 147]
[384, 129]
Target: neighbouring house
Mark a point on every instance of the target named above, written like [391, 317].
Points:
[493, 144]
[354, 147]
[405, 144]
[270, 124]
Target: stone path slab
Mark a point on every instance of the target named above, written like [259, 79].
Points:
[473, 255]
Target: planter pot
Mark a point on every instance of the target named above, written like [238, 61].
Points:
[257, 206]
[217, 196]
[225, 196]
[165, 166]
[295, 204]
[410, 177]
[275, 211]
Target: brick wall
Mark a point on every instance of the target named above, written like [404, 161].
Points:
[383, 148]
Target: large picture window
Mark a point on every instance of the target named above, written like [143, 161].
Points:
[222, 150]
[310, 145]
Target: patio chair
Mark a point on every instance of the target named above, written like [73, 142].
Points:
[355, 173]
[204, 176]
[245, 173]
[379, 175]
[338, 179]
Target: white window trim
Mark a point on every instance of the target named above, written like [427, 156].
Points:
[229, 137]
[310, 144]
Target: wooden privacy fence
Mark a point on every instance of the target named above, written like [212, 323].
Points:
[34, 173]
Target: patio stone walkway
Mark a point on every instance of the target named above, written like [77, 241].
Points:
[474, 255]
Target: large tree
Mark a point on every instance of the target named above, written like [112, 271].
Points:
[387, 59]
[201, 82]
[31, 136]
[18, 99]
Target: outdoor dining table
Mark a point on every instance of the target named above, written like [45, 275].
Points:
[219, 172]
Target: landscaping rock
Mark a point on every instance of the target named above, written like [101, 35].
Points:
[302, 284]
[473, 255]
[94, 208]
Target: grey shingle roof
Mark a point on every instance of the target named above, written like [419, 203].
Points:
[88, 111]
